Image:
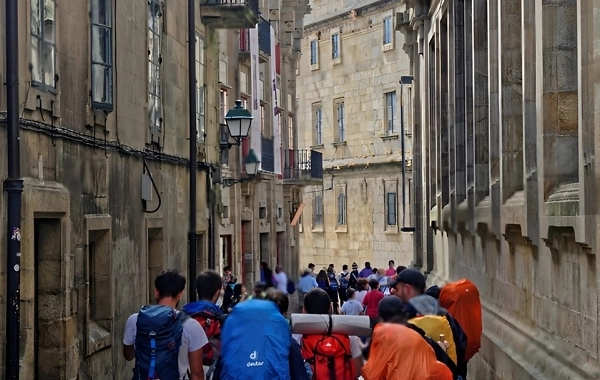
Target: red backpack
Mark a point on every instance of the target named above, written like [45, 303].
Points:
[212, 328]
[329, 356]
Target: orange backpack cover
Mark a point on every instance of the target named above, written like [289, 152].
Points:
[461, 299]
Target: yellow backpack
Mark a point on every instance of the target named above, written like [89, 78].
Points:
[434, 326]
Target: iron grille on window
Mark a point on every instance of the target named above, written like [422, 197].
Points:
[318, 214]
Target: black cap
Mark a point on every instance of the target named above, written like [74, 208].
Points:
[390, 306]
[311, 265]
[412, 277]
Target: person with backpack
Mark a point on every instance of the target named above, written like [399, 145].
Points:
[400, 351]
[344, 282]
[333, 289]
[164, 342]
[353, 280]
[410, 283]
[256, 343]
[209, 315]
[329, 355]
[266, 275]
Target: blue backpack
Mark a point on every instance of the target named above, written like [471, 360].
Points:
[255, 343]
[157, 341]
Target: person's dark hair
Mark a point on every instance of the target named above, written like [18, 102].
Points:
[350, 293]
[373, 284]
[228, 267]
[345, 267]
[207, 284]
[375, 270]
[391, 262]
[264, 265]
[280, 299]
[311, 265]
[400, 269]
[331, 266]
[317, 301]
[322, 276]
[170, 283]
[367, 264]
[361, 284]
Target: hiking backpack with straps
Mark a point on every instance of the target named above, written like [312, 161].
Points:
[461, 299]
[344, 282]
[329, 355]
[255, 341]
[210, 318]
[333, 284]
[157, 341]
[353, 279]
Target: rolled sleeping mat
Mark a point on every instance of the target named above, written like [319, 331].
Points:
[309, 324]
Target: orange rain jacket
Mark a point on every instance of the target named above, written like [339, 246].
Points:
[400, 353]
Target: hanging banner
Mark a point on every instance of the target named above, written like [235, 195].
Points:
[255, 130]
[277, 150]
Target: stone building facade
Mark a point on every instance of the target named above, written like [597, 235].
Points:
[349, 100]
[103, 94]
[256, 215]
[505, 173]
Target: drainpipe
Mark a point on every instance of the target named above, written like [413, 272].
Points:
[13, 185]
[193, 233]
[405, 79]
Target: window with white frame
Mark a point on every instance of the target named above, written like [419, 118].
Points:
[341, 206]
[314, 52]
[318, 210]
[341, 121]
[200, 110]
[391, 205]
[243, 82]
[101, 54]
[155, 108]
[290, 131]
[222, 105]
[335, 46]
[43, 43]
[387, 30]
[391, 113]
[318, 123]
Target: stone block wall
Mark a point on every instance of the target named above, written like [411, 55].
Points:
[527, 231]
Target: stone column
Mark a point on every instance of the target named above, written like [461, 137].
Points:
[481, 98]
[560, 94]
[511, 94]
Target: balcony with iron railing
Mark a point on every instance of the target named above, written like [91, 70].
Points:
[302, 167]
[229, 14]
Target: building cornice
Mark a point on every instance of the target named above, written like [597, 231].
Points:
[347, 15]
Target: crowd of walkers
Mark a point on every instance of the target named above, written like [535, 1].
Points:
[414, 333]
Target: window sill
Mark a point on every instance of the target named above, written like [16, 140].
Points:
[391, 230]
[97, 338]
[314, 67]
[339, 143]
[317, 229]
[390, 136]
[341, 229]
[336, 61]
[318, 146]
[388, 47]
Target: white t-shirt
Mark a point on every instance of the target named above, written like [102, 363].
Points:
[193, 338]
[352, 307]
[281, 282]
[360, 295]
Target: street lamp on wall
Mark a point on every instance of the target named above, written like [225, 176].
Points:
[251, 163]
[238, 121]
